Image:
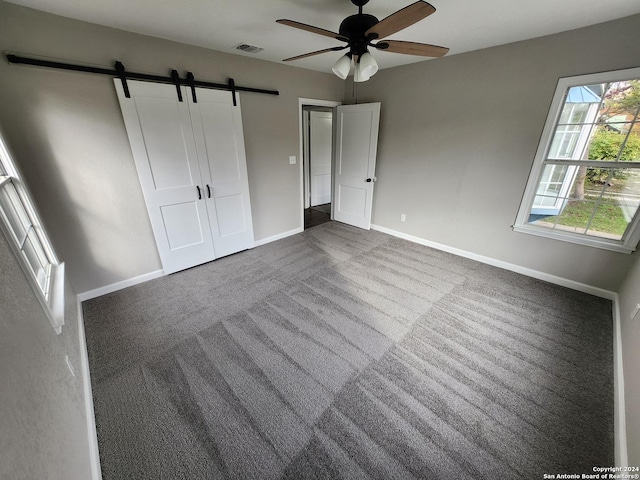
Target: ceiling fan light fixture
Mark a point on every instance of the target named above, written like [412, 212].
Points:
[360, 74]
[368, 65]
[342, 67]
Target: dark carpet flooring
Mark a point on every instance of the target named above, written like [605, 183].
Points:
[345, 354]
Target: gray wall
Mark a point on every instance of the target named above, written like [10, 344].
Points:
[630, 330]
[458, 136]
[66, 130]
[43, 430]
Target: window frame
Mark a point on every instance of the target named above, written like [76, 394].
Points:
[52, 298]
[630, 239]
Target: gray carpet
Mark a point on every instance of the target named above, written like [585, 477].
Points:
[345, 354]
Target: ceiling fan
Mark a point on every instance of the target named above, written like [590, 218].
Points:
[361, 29]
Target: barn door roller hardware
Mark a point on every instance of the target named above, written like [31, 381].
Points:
[123, 75]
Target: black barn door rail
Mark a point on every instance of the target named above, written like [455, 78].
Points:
[121, 73]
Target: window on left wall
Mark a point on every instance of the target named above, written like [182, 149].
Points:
[27, 238]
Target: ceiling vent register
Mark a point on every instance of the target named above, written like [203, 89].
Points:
[249, 48]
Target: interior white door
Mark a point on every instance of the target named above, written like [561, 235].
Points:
[356, 146]
[320, 138]
[163, 145]
[217, 125]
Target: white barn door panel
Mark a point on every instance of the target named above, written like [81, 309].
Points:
[191, 162]
[356, 148]
[219, 137]
[164, 150]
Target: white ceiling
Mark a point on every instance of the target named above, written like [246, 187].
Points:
[461, 25]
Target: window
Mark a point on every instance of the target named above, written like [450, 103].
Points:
[584, 186]
[20, 224]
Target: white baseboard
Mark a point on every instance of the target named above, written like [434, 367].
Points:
[279, 236]
[114, 287]
[620, 435]
[619, 415]
[92, 437]
[529, 272]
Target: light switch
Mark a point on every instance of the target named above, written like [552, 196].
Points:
[292, 160]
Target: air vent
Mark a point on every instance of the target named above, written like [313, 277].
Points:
[249, 48]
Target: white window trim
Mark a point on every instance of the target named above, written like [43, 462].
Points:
[630, 241]
[54, 306]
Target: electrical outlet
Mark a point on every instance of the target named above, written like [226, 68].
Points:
[403, 217]
[69, 366]
[292, 160]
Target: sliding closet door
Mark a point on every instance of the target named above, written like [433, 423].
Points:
[164, 149]
[217, 125]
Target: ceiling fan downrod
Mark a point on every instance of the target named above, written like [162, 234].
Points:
[359, 4]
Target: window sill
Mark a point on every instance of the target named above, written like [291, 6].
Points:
[603, 243]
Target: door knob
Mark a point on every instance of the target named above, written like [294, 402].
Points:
[368, 179]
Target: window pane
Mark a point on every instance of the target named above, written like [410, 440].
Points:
[37, 259]
[615, 142]
[621, 102]
[553, 189]
[573, 112]
[595, 201]
[14, 210]
[584, 95]
[617, 134]
[631, 150]
[579, 114]
[599, 122]
[623, 190]
[569, 142]
[575, 216]
[552, 178]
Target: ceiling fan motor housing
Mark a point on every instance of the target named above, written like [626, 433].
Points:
[354, 27]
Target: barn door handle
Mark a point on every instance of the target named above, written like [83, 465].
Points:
[208, 191]
[199, 192]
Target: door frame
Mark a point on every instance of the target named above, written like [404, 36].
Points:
[307, 162]
[307, 102]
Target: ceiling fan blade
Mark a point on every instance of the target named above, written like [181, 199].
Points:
[412, 48]
[334, 49]
[312, 29]
[401, 19]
